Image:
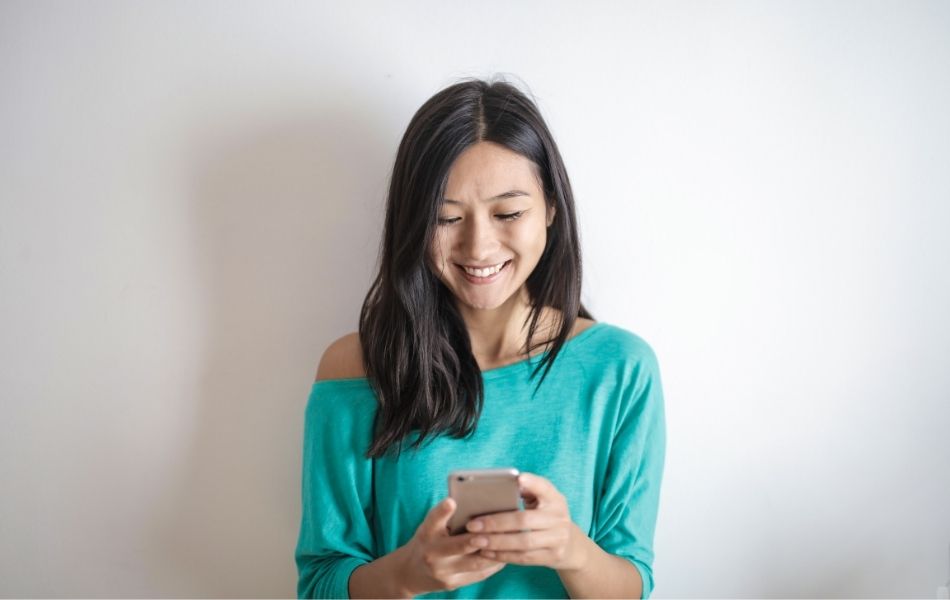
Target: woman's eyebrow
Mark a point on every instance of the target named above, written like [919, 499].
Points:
[508, 194]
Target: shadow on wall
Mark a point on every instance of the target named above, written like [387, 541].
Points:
[286, 220]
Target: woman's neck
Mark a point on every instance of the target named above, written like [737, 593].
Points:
[498, 336]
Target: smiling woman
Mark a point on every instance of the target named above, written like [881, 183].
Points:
[473, 156]
[478, 291]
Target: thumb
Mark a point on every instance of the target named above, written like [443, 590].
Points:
[440, 514]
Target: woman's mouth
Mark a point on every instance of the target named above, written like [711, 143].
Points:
[482, 276]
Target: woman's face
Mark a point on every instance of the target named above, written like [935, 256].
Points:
[493, 215]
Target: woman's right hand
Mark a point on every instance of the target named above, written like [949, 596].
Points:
[435, 560]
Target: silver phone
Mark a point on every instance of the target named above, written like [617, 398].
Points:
[482, 492]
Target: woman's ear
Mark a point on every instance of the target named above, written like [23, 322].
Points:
[551, 212]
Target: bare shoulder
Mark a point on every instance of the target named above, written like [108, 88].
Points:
[553, 318]
[580, 324]
[342, 359]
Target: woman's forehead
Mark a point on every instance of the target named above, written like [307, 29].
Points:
[487, 170]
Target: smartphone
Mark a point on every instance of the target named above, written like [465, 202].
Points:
[482, 492]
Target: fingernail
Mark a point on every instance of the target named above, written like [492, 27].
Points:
[475, 526]
[480, 541]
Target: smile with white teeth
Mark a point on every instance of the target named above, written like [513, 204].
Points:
[486, 272]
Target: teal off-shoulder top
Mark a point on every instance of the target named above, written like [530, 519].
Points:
[596, 429]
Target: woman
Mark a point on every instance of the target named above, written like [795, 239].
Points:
[478, 290]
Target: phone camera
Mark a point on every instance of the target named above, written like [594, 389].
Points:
[460, 478]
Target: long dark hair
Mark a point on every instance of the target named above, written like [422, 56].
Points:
[416, 348]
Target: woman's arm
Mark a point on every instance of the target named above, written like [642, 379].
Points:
[602, 575]
[626, 516]
[336, 536]
[380, 578]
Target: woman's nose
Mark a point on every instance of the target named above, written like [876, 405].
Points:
[478, 239]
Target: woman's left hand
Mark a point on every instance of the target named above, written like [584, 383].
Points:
[553, 540]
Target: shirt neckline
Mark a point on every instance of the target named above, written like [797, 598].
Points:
[490, 374]
[499, 372]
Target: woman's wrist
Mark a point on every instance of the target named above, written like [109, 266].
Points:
[579, 550]
[381, 578]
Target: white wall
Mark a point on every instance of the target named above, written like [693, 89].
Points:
[192, 197]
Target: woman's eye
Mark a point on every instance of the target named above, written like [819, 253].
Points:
[505, 217]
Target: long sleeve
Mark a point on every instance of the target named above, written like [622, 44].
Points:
[625, 518]
[336, 534]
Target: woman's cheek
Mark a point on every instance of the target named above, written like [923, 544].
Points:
[438, 250]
